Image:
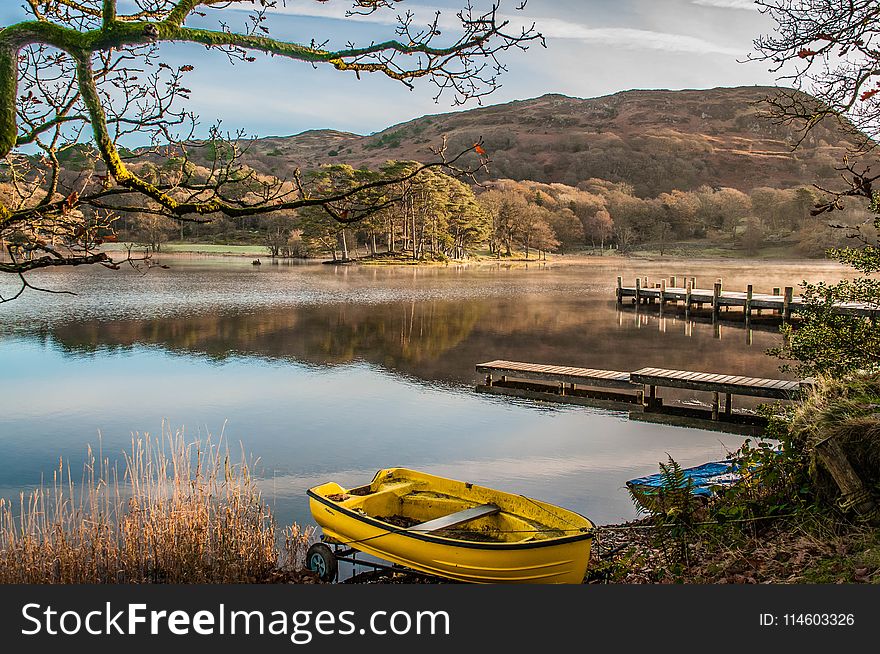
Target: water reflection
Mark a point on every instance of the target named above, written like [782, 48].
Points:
[329, 372]
[441, 340]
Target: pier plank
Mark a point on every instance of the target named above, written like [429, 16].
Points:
[719, 383]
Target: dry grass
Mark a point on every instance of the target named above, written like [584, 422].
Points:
[180, 512]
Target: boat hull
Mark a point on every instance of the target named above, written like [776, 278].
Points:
[548, 561]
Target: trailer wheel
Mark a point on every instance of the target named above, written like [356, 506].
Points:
[320, 559]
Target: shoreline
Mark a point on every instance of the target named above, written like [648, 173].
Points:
[256, 252]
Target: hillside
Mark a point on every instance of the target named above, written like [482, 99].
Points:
[654, 140]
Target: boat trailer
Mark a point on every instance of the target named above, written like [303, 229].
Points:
[323, 559]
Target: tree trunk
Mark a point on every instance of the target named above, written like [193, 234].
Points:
[413, 229]
[852, 489]
[343, 244]
[404, 228]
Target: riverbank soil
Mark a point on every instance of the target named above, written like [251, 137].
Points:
[780, 552]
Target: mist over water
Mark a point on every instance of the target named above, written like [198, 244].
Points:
[330, 373]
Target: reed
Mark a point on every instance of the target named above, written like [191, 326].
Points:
[178, 512]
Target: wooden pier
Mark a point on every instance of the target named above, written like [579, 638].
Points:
[636, 392]
[728, 385]
[781, 302]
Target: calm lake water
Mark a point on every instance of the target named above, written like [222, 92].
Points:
[330, 373]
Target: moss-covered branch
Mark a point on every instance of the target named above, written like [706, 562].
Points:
[8, 88]
[31, 136]
[89, 91]
[108, 13]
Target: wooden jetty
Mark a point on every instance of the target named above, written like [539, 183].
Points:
[729, 385]
[782, 302]
[564, 384]
[636, 391]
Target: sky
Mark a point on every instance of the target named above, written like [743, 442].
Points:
[594, 48]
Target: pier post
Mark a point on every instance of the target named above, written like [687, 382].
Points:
[652, 401]
[672, 282]
[715, 405]
[776, 291]
[620, 290]
[638, 292]
[748, 309]
[786, 304]
[727, 404]
[716, 297]
[693, 282]
[687, 297]
[662, 293]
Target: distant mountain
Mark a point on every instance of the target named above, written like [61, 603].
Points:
[654, 140]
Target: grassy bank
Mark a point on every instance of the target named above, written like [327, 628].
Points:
[178, 512]
[706, 249]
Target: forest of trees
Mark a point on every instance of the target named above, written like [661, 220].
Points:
[437, 217]
[432, 217]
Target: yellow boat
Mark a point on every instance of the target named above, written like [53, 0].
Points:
[451, 529]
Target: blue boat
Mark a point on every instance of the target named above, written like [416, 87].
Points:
[705, 479]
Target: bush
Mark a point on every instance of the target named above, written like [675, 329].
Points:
[774, 479]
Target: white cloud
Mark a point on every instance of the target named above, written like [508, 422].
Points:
[728, 4]
[551, 28]
[633, 39]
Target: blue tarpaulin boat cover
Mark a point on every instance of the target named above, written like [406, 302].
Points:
[704, 477]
